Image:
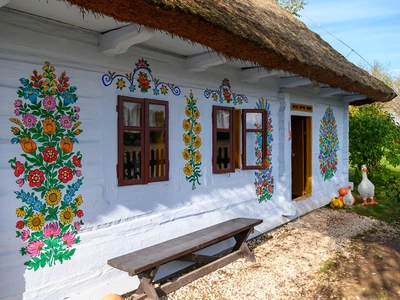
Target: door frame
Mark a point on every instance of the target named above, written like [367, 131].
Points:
[307, 156]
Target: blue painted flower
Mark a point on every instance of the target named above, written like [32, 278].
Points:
[31, 94]
[156, 91]
[30, 199]
[69, 98]
[77, 185]
[72, 89]
[21, 195]
[24, 81]
[68, 198]
[132, 88]
[37, 205]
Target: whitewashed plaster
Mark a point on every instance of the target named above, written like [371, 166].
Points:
[122, 219]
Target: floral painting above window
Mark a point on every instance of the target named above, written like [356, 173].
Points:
[328, 145]
[264, 182]
[191, 154]
[140, 79]
[48, 171]
[225, 94]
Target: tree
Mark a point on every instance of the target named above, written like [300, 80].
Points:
[373, 133]
[292, 6]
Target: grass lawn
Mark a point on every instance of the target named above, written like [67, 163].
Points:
[387, 193]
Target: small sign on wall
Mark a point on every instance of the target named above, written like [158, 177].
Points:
[301, 107]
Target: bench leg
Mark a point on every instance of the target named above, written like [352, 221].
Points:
[146, 286]
[241, 245]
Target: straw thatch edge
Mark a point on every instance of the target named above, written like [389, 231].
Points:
[185, 24]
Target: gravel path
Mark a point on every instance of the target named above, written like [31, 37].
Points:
[288, 260]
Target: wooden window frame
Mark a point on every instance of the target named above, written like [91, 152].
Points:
[145, 129]
[231, 168]
[263, 131]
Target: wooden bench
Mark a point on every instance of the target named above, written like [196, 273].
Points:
[145, 262]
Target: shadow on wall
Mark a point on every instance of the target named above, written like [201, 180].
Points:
[12, 283]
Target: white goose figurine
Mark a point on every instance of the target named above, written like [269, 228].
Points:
[348, 198]
[366, 188]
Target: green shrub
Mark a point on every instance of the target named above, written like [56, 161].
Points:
[373, 134]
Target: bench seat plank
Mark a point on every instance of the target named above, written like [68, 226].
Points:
[156, 255]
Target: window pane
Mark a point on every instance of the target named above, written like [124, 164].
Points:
[132, 154]
[253, 120]
[253, 148]
[156, 115]
[157, 154]
[223, 150]
[223, 119]
[132, 112]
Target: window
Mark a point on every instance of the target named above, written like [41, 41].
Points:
[226, 139]
[142, 141]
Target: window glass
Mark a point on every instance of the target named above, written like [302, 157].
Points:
[156, 115]
[132, 152]
[132, 114]
[157, 154]
[223, 150]
[253, 120]
[253, 148]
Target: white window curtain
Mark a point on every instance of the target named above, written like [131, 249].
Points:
[223, 118]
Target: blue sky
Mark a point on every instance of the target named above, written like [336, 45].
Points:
[370, 27]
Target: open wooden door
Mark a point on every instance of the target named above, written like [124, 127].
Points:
[301, 156]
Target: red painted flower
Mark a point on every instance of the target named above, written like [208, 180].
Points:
[264, 183]
[35, 178]
[50, 154]
[259, 190]
[143, 82]
[270, 188]
[20, 224]
[65, 174]
[18, 169]
[79, 213]
[227, 95]
[76, 161]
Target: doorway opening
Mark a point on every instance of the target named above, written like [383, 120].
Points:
[301, 157]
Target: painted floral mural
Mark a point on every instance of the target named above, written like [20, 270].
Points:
[48, 171]
[140, 79]
[191, 154]
[264, 182]
[328, 145]
[225, 94]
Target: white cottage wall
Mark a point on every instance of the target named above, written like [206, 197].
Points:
[122, 219]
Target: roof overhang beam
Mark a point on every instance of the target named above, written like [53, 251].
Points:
[348, 98]
[4, 2]
[255, 74]
[328, 91]
[293, 81]
[120, 40]
[201, 62]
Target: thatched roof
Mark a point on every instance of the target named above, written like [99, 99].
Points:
[258, 31]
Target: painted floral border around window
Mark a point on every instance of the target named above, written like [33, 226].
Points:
[141, 78]
[264, 181]
[192, 141]
[50, 213]
[225, 94]
[328, 145]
